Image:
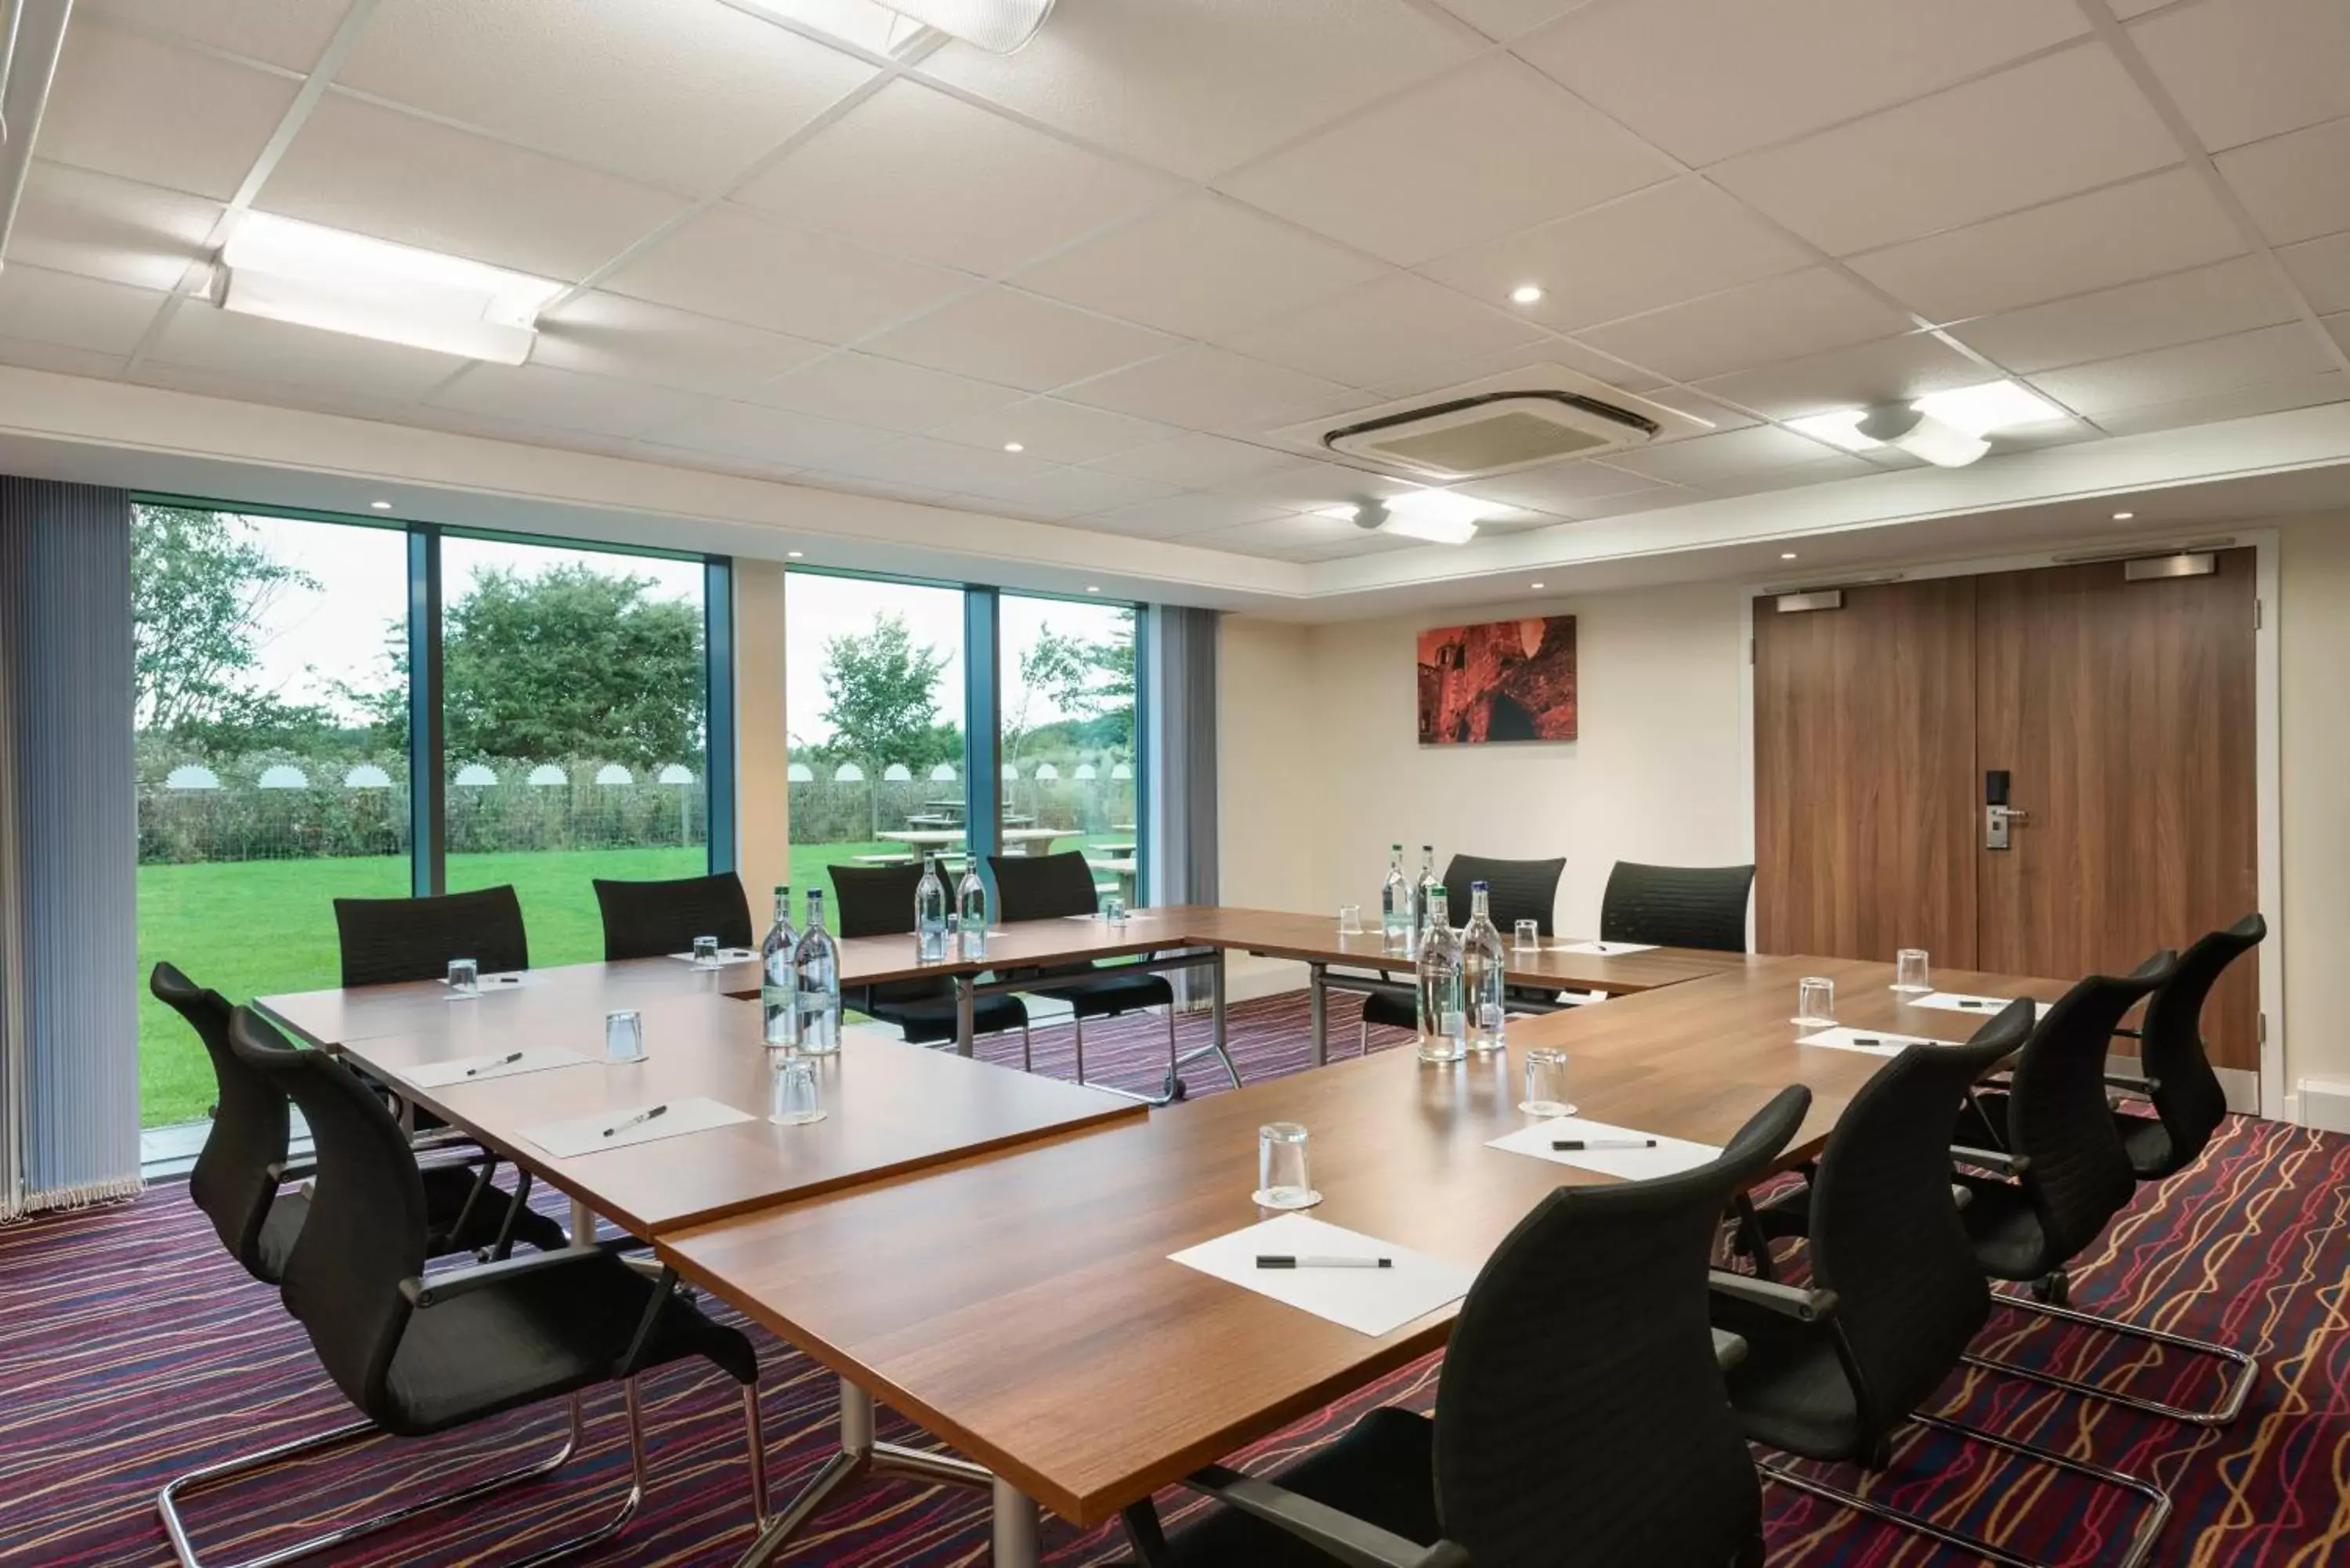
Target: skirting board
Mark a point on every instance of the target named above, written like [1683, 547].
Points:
[2320, 1103]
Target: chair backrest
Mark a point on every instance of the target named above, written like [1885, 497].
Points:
[1885, 1231]
[232, 1181]
[1677, 906]
[2187, 1093]
[649, 919]
[1515, 889]
[365, 1230]
[2057, 1115]
[878, 901]
[1039, 887]
[1581, 1419]
[389, 939]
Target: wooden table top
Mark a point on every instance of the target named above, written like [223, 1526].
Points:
[558, 996]
[1069, 1355]
[893, 1108]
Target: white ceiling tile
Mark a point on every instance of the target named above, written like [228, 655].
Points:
[883, 393]
[2205, 302]
[124, 103]
[1298, 538]
[1197, 85]
[205, 337]
[1056, 432]
[1178, 515]
[728, 263]
[1198, 267]
[2244, 403]
[2243, 69]
[612, 335]
[2127, 9]
[1562, 489]
[771, 435]
[358, 166]
[1363, 541]
[64, 361]
[567, 400]
[288, 33]
[1562, 352]
[355, 397]
[2339, 326]
[1072, 492]
[1002, 335]
[1896, 368]
[1654, 247]
[684, 93]
[963, 187]
[1506, 19]
[856, 484]
[1708, 78]
[70, 311]
[1310, 487]
[2293, 185]
[1196, 461]
[1400, 325]
[2322, 268]
[74, 221]
[1483, 151]
[2028, 134]
[959, 469]
[1717, 461]
[1698, 407]
[2164, 223]
[2189, 370]
[1202, 387]
[1781, 317]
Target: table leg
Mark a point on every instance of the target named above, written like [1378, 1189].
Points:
[1014, 1535]
[1218, 1019]
[1318, 999]
[583, 1225]
[966, 990]
[860, 1456]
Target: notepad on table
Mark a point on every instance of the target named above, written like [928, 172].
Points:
[1368, 1300]
[505, 980]
[1979, 1006]
[626, 1125]
[491, 1065]
[1874, 1042]
[725, 955]
[1669, 1157]
[1606, 950]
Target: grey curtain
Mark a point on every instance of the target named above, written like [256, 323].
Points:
[69, 849]
[1179, 655]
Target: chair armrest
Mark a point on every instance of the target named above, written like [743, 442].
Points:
[285, 1171]
[1728, 1350]
[1787, 1301]
[2128, 1034]
[442, 1137]
[1992, 1159]
[2131, 1082]
[433, 1290]
[1351, 1541]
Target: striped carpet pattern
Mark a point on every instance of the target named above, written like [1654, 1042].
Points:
[131, 1350]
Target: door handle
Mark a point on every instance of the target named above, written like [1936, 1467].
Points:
[1996, 822]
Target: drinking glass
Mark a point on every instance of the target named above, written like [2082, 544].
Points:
[793, 1099]
[1350, 919]
[1283, 1180]
[705, 952]
[624, 1036]
[1816, 1001]
[1909, 970]
[1545, 1084]
[464, 978]
[1527, 938]
[1114, 910]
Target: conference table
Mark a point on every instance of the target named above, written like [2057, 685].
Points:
[1069, 1365]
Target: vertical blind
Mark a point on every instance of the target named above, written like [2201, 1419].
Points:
[1179, 661]
[68, 890]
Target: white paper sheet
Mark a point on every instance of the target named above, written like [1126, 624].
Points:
[1604, 949]
[1368, 1300]
[1671, 1157]
[585, 1136]
[479, 1070]
[501, 980]
[1883, 1043]
[725, 955]
[1974, 1005]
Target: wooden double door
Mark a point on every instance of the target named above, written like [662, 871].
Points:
[2119, 708]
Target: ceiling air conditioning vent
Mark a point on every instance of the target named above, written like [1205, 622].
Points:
[1522, 418]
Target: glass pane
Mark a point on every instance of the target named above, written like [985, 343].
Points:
[574, 693]
[874, 706]
[1067, 685]
[272, 759]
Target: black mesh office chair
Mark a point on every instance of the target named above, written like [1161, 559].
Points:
[1580, 1421]
[878, 901]
[1043, 886]
[1677, 906]
[421, 1355]
[389, 939]
[2064, 1174]
[1516, 890]
[238, 1177]
[651, 919]
[1832, 1372]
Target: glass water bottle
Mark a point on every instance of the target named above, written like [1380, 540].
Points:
[1443, 1029]
[930, 913]
[1395, 904]
[1484, 963]
[816, 966]
[970, 913]
[778, 1017]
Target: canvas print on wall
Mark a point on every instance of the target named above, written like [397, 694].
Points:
[1505, 680]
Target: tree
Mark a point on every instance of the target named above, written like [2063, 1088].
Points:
[200, 584]
[880, 693]
[1081, 678]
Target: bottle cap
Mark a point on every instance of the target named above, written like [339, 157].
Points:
[1476, 887]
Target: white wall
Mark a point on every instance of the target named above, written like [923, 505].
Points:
[762, 801]
[1268, 734]
[2314, 741]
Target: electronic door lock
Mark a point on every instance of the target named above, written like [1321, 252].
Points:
[1996, 821]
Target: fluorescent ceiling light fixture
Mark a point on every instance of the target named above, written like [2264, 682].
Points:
[1944, 427]
[999, 27]
[1439, 516]
[341, 282]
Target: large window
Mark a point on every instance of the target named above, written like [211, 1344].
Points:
[277, 725]
[1066, 733]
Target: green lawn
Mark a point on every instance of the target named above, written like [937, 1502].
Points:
[250, 928]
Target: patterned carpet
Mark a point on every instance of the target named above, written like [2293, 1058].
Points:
[131, 1349]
